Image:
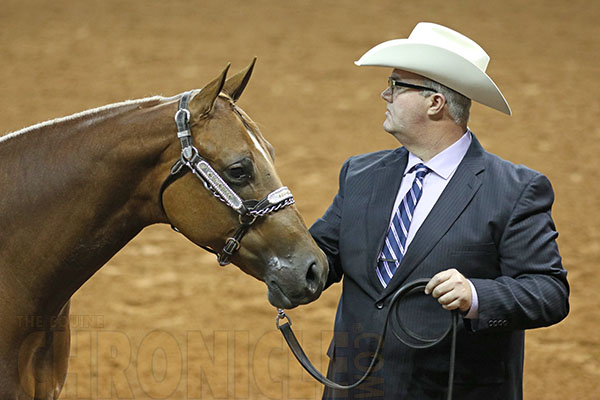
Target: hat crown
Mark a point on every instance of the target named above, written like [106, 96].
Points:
[446, 38]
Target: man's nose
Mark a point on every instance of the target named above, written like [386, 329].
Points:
[387, 95]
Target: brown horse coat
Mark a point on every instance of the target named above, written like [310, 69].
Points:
[77, 189]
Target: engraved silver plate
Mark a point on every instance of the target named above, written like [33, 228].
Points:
[279, 195]
[219, 185]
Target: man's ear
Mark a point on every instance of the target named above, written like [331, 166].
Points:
[437, 102]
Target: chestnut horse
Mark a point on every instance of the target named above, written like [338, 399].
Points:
[75, 190]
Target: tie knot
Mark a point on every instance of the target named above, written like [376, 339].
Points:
[421, 170]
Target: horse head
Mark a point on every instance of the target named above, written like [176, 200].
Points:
[276, 246]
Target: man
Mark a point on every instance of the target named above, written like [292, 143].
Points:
[439, 207]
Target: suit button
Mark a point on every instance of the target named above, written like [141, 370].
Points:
[379, 305]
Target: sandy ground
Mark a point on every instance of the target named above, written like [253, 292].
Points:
[161, 319]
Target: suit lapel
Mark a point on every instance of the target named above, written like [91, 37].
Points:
[453, 200]
[386, 183]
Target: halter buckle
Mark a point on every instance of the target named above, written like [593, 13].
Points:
[186, 113]
[231, 246]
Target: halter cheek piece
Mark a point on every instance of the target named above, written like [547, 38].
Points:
[248, 210]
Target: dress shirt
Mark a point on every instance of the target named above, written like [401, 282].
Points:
[442, 167]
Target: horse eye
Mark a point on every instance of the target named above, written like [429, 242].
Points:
[236, 172]
[240, 172]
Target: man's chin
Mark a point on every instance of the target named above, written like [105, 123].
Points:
[387, 126]
[389, 131]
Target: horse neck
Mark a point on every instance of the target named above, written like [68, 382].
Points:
[76, 192]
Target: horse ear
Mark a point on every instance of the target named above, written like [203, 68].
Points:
[202, 103]
[237, 83]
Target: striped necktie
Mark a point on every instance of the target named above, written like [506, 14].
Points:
[395, 241]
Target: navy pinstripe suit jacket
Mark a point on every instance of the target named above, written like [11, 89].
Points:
[493, 224]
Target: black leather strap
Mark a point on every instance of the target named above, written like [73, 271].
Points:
[411, 287]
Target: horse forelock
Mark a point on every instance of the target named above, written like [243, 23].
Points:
[91, 113]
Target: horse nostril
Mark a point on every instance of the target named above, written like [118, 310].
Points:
[312, 278]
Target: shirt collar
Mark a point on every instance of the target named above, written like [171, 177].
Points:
[445, 162]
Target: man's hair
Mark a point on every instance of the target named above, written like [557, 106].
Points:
[458, 105]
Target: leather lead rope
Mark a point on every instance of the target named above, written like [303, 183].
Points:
[411, 287]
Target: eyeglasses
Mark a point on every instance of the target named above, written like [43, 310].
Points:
[392, 83]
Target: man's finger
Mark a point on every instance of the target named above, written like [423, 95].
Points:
[448, 298]
[452, 306]
[437, 279]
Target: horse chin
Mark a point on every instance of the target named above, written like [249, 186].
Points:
[277, 297]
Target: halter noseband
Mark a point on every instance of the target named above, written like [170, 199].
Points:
[247, 210]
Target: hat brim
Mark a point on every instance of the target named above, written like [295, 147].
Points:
[440, 65]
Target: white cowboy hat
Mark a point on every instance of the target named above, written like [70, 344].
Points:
[445, 56]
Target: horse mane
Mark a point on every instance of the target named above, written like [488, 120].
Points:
[87, 113]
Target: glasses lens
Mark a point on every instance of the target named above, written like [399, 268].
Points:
[397, 87]
[391, 86]
[403, 85]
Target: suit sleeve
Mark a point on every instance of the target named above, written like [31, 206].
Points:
[326, 231]
[532, 290]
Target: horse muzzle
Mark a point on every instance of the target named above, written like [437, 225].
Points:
[296, 281]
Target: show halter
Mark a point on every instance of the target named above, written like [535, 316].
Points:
[248, 210]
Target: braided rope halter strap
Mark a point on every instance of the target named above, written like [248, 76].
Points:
[191, 161]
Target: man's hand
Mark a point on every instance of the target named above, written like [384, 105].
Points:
[451, 289]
